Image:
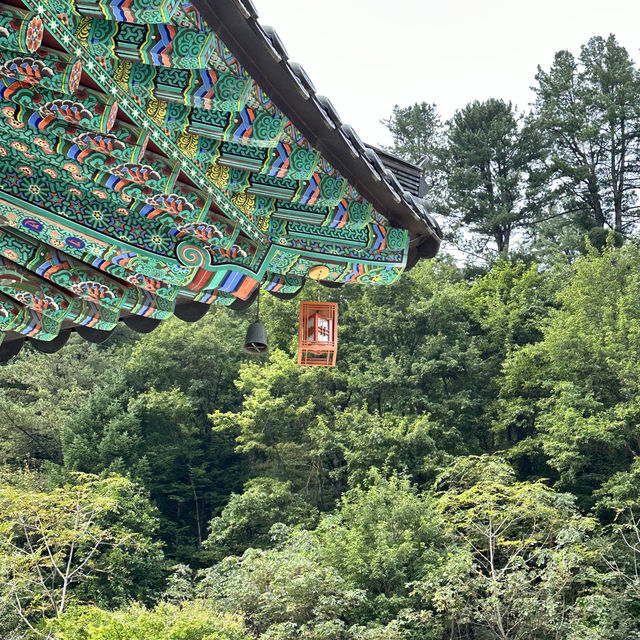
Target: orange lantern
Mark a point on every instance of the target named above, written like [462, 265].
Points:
[318, 334]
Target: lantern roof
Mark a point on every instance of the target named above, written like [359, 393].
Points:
[157, 156]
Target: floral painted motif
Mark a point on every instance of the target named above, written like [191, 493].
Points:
[140, 174]
[95, 291]
[28, 70]
[67, 109]
[11, 254]
[35, 31]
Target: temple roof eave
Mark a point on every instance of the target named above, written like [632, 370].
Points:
[141, 182]
[260, 52]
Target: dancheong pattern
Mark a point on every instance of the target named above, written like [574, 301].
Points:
[142, 168]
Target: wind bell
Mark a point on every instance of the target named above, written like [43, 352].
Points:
[256, 340]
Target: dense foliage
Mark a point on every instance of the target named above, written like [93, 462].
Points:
[469, 470]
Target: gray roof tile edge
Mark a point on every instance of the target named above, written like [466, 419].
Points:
[261, 52]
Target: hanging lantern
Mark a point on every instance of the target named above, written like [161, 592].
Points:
[256, 340]
[318, 334]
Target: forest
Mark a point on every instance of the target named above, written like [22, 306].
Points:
[470, 470]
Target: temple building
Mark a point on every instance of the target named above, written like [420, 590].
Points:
[158, 157]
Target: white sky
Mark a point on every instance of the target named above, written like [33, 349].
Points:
[367, 55]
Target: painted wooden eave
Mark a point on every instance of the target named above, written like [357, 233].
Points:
[262, 54]
[87, 126]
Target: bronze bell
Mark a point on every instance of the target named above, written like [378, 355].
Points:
[256, 340]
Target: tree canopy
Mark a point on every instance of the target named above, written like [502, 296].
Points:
[469, 470]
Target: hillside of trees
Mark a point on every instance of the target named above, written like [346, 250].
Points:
[470, 470]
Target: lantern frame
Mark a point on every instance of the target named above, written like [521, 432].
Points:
[320, 349]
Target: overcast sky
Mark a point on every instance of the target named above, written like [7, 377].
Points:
[368, 55]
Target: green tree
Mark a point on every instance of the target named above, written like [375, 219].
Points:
[418, 137]
[102, 435]
[276, 429]
[510, 305]
[149, 420]
[412, 349]
[200, 359]
[587, 116]
[56, 544]
[178, 375]
[248, 517]
[570, 401]
[284, 593]
[38, 394]
[391, 443]
[485, 164]
[188, 621]
[618, 507]
[381, 539]
[416, 132]
[517, 555]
